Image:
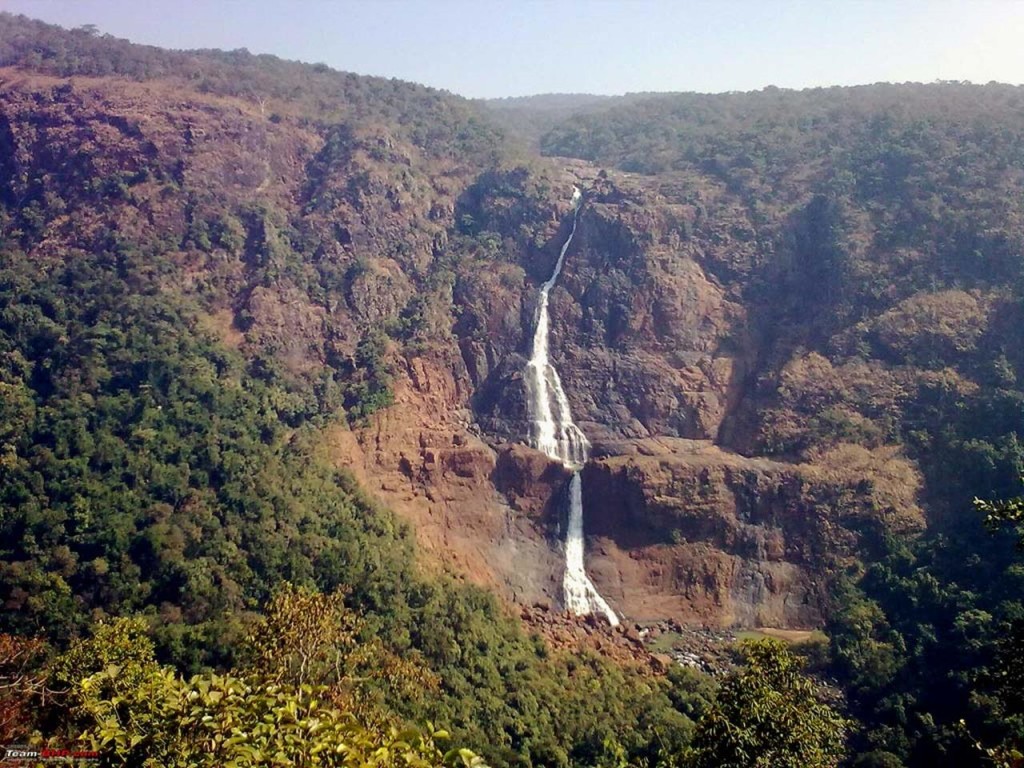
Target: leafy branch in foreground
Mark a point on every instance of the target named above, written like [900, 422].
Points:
[224, 720]
[135, 712]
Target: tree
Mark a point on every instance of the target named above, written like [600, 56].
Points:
[135, 712]
[1007, 672]
[768, 714]
[223, 720]
[121, 644]
[305, 637]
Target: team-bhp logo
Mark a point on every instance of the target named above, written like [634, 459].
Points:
[18, 753]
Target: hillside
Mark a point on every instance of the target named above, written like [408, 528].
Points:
[870, 238]
[263, 322]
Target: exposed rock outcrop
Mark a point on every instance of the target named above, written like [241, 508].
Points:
[654, 351]
[648, 342]
[683, 528]
[487, 512]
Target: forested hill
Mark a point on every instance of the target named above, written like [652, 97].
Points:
[772, 131]
[528, 118]
[440, 122]
[263, 487]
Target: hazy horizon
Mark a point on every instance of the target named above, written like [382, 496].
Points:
[500, 50]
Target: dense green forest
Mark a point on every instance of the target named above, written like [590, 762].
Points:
[181, 563]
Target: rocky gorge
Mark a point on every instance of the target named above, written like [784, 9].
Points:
[653, 351]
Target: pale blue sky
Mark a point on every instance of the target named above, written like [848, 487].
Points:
[518, 47]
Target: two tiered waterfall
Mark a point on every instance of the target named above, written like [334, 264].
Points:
[554, 433]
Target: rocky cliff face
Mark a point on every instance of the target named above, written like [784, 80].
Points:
[648, 340]
[296, 240]
[653, 344]
[685, 528]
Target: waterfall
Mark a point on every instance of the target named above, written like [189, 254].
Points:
[553, 432]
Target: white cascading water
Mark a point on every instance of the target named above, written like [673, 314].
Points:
[554, 433]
